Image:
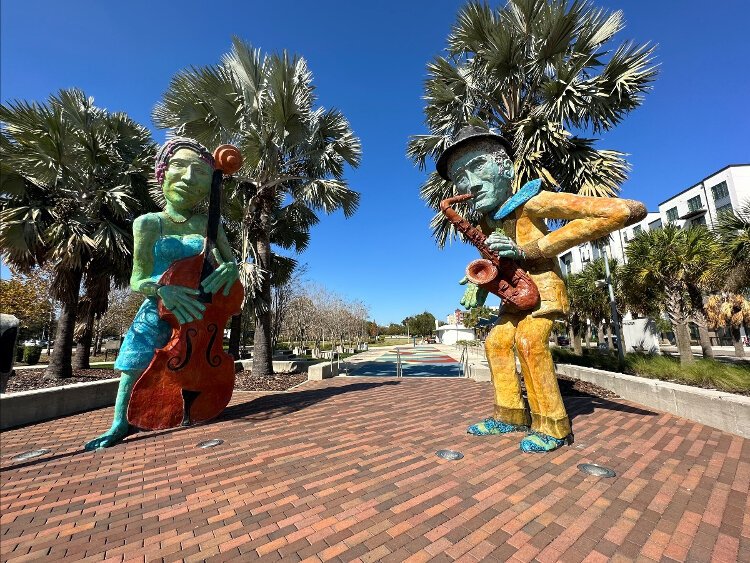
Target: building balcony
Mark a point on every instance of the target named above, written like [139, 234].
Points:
[693, 213]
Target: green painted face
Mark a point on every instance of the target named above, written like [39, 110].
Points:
[187, 180]
[478, 172]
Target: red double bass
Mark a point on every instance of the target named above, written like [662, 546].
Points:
[191, 379]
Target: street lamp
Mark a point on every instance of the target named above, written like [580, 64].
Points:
[607, 281]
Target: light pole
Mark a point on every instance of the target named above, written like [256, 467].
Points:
[613, 308]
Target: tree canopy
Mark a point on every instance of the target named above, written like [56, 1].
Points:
[549, 76]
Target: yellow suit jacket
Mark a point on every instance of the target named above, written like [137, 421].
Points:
[589, 218]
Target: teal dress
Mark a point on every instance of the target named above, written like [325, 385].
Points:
[149, 332]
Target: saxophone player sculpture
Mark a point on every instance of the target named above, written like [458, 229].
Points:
[523, 270]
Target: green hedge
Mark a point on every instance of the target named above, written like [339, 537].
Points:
[706, 373]
[31, 354]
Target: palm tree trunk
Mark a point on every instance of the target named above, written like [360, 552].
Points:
[575, 334]
[679, 323]
[235, 327]
[705, 340]
[599, 333]
[262, 352]
[98, 337]
[82, 359]
[739, 347]
[682, 334]
[610, 340]
[60, 365]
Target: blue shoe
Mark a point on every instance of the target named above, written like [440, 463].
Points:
[492, 427]
[536, 442]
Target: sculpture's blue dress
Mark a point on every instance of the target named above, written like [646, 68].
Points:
[149, 332]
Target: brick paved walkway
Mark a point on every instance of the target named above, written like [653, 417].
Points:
[346, 468]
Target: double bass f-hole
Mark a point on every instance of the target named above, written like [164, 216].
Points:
[213, 361]
[175, 364]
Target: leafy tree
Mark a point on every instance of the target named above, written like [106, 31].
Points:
[547, 75]
[732, 311]
[672, 265]
[395, 329]
[472, 317]
[74, 177]
[27, 298]
[421, 324]
[295, 153]
[373, 329]
[734, 234]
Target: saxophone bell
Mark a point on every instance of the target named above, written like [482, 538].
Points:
[481, 271]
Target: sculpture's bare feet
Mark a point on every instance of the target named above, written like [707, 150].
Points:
[116, 433]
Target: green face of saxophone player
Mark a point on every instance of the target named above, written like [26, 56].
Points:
[486, 173]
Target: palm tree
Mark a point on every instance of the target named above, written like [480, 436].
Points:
[577, 297]
[670, 266]
[294, 152]
[543, 73]
[729, 310]
[734, 233]
[75, 177]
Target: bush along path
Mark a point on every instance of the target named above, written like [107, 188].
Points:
[704, 373]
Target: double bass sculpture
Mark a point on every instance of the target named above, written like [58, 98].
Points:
[173, 367]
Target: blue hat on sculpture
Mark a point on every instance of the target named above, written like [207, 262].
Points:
[473, 136]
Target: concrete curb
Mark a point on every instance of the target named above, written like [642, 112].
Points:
[27, 407]
[717, 409]
[479, 372]
[280, 365]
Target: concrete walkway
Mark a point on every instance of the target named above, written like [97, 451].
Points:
[424, 360]
[345, 469]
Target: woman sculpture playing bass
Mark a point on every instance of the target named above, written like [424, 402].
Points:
[184, 169]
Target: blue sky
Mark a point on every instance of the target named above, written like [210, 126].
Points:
[368, 59]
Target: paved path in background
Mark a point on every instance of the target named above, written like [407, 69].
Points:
[416, 361]
[345, 468]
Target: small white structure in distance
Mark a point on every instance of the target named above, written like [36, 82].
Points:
[452, 333]
[640, 335]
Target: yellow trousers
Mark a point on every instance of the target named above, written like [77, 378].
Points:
[530, 338]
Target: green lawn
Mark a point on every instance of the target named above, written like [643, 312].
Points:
[705, 373]
[391, 342]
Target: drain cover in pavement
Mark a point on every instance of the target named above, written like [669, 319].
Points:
[596, 470]
[449, 454]
[210, 443]
[29, 455]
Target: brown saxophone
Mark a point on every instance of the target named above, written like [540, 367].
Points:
[500, 276]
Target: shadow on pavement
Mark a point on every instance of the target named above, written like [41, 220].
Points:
[579, 402]
[280, 404]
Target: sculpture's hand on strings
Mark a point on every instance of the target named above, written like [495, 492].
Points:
[181, 301]
[474, 296]
[223, 276]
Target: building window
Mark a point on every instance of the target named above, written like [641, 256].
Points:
[720, 190]
[724, 209]
[637, 230]
[672, 215]
[566, 262]
[700, 221]
[694, 203]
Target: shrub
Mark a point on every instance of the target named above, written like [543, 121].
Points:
[31, 354]
[707, 373]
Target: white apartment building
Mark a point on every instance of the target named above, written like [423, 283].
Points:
[700, 204]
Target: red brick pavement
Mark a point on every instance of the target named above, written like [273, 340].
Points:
[345, 469]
